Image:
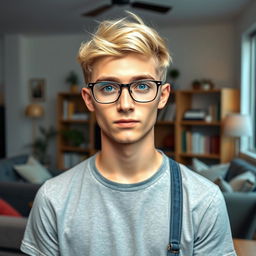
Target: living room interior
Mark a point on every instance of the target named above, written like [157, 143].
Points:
[209, 123]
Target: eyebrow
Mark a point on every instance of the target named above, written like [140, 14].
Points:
[134, 78]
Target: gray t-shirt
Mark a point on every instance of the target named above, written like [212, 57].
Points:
[82, 213]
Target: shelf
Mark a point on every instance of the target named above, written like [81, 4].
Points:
[201, 91]
[165, 123]
[70, 94]
[210, 156]
[74, 149]
[200, 123]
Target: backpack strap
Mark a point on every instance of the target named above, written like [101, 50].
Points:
[176, 205]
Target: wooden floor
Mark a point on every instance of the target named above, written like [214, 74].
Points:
[245, 247]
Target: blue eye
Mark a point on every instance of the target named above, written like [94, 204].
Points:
[142, 86]
[108, 88]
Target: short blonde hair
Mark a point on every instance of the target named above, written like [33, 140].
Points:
[116, 38]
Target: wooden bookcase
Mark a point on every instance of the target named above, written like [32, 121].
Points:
[212, 144]
[74, 120]
[169, 134]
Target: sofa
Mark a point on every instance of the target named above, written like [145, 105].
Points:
[19, 193]
[241, 206]
[237, 181]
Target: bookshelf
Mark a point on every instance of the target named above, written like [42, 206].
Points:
[200, 138]
[76, 126]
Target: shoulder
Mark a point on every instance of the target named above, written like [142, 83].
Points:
[59, 187]
[199, 191]
[194, 181]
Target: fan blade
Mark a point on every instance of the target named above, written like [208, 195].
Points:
[151, 7]
[97, 11]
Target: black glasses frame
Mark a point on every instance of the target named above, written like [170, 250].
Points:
[128, 86]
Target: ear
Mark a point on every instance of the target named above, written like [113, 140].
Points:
[88, 100]
[165, 93]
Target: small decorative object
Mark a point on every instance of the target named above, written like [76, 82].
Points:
[196, 85]
[203, 84]
[174, 75]
[207, 84]
[37, 89]
[73, 137]
[72, 80]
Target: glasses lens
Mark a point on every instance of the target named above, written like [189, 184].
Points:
[144, 91]
[106, 92]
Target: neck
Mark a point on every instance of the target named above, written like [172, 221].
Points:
[128, 163]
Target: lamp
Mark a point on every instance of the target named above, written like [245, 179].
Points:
[34, 111]
[237, 125]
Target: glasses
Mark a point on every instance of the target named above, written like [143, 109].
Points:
[142, 91]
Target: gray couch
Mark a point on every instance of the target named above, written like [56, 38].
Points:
[19, 194]
[241, 206]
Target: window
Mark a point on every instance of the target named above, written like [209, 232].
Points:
[248, 88]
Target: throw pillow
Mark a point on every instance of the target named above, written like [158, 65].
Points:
[244, 182]
[211, 172]
[223, 185]
[7, 210]
[33, 171]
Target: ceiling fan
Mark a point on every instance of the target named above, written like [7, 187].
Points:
[135, 4]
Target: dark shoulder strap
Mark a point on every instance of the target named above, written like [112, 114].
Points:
[175, 209]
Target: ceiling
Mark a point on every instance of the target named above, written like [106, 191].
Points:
[64, 16]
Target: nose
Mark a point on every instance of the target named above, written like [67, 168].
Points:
[125, 102]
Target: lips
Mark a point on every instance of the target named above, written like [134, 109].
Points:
[126, 122]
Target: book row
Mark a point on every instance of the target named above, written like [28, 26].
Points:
[197, 143]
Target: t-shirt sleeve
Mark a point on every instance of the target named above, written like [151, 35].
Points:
[213, 237]
[40, 236]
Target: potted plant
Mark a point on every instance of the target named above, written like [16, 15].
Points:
[174, 75]
[73, 137]
[72, 80]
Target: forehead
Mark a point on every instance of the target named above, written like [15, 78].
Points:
[125, 68]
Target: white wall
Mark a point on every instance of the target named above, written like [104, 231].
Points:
[26, 57]
[52, 58]
[204, 51]
[15, 94]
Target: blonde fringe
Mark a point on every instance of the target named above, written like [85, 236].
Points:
[117, 37]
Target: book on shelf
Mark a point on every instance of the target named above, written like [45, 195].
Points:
[197, 143]
[70, 112]
[214, 112]
[195, 114]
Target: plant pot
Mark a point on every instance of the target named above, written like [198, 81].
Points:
[74, 88]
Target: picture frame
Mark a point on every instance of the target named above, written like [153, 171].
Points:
[37, 89]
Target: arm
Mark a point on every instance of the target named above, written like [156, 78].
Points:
[41, 233]
[213, 237]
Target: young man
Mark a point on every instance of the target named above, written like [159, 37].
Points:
[118, 202]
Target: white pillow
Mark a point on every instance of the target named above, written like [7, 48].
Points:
[244, 182]
[211, 172]
[33, 171]
[223, 185]
[198, 165]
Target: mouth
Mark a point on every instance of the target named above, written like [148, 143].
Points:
[126, 122]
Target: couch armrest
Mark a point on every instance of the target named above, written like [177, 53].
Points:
[241, 210]
[19, 195]
[11, 232]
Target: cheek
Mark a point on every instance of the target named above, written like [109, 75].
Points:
[102, 116]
